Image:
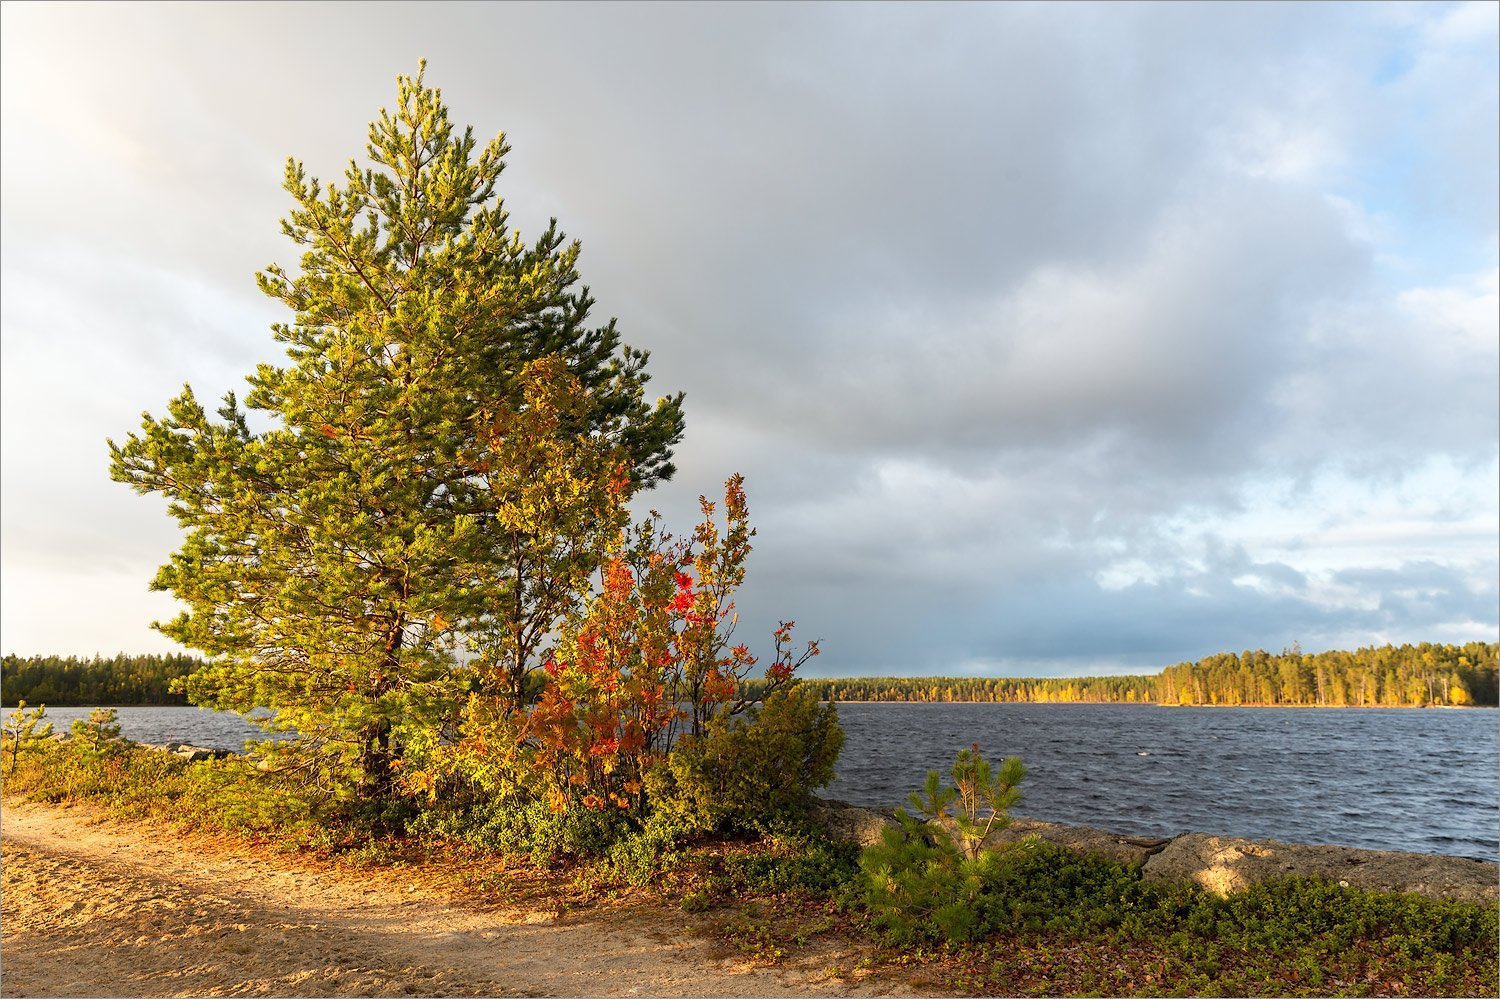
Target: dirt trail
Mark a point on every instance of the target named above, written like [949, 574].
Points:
[96, 907]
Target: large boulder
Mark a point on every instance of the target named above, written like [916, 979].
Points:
[851, 823]
[1225, 864]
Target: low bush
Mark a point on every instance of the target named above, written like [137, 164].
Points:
[1048, 912]
[100, 731]
[752, 773]
[522, 829]
[932, 880]
[21, 731]
[219, 795]
[1042, 888]
[1024, 919]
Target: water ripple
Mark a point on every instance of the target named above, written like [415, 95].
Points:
[1383, 779]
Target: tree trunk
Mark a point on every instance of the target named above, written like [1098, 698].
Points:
[377, 777]
[375, 761]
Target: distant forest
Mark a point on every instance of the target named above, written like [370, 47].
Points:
[1390, 676]
[123, 679]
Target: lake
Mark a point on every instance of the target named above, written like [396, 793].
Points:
[194, 726]
[1427, 781]
[1385, 779]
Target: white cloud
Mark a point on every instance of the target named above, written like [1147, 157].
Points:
[1473, 22]
[1467, 312]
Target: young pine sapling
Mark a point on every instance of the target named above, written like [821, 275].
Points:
[21, 728]
[983, 798]
[101, 728]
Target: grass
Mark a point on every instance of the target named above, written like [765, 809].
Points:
[1050, 922]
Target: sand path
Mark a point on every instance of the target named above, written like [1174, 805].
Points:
[98, 907]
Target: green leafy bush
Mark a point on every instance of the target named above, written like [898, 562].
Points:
[524, 828]
[920, 889]
[751, 773]
[802, 863]
[1299, 930]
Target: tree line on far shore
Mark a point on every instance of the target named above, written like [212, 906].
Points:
[121, 679]
[1389, 676]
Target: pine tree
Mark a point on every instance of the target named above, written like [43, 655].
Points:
[336, 564]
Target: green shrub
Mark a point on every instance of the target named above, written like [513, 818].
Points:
[919, 889]
[100, 730]
[754, 773]
[983, 799]
[523, 828]
[21, 730]
[644, 859]
[806, 864]
[933, 880]
[919, 893]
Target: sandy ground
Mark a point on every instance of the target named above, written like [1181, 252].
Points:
[97, 907]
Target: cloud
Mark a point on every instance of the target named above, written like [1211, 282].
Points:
[1173, 349]
[1388, 381]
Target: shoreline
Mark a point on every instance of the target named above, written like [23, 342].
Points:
[1221, 864]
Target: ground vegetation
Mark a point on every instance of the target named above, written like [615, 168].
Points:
[1035, 919]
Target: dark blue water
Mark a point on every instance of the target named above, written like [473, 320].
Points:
[1427, 781]
[194, 726]
[1385, 779]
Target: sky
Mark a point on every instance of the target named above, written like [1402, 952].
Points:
[1050, 339]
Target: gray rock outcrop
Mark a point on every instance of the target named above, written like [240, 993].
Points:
[190, 753]
[1082, 839]
[1225, 864]
[852, 823]
[865, 827]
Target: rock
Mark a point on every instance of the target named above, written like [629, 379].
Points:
[851, 823]
[1082, 839]
[1225, 863]
[195, 753]
[865, 826]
